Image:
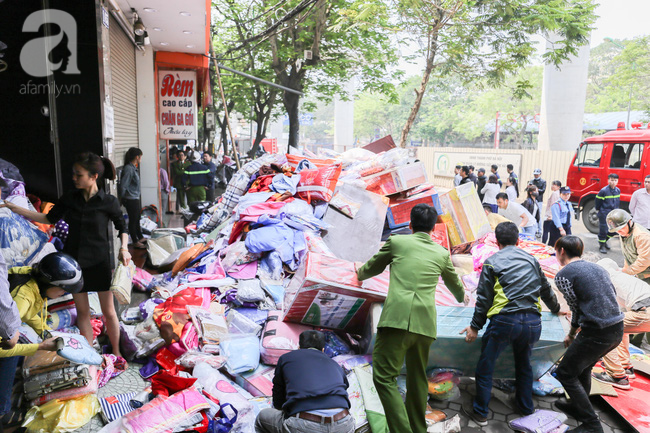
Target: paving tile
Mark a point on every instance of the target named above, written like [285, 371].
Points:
[438, 404]
[544, 404]
[606, 428]
[463, 419]
[512, 416]
[471, 426]
[454, 406]
[497, 427]
[499, 417]
[571, 422]
[499, 407]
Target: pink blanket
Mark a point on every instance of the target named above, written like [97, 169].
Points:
[163, 413]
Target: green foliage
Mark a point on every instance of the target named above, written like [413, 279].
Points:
[484, 42]
[453, 112]
[618, 76]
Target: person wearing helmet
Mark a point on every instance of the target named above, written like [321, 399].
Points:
[635, 243]
[52, 277]
[539, 183]
[608, 199]
[29, 286]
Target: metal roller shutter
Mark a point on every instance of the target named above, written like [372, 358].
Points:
[124, 97]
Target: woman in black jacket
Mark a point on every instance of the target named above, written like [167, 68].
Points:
[532, 205]
[88, 210]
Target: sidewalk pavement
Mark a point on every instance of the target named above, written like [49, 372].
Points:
[500, 414]
[498, 418]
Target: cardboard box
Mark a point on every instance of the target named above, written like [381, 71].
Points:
[397, 179]
[325, 292]
[381, 145]
[463, 215]
[440, 236]
[399, 210]
[451, 350]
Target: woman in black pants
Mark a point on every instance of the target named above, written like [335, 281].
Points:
[591, 296]
[130, 194]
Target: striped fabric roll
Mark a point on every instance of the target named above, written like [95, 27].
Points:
[116, 406]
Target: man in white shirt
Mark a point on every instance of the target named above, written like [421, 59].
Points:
[457, 176]
[640, 204]
[517, 214]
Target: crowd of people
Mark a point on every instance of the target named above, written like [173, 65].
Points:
[196, 175]
[310, 390]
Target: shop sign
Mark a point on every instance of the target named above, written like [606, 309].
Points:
[446, 161]
[177, 92]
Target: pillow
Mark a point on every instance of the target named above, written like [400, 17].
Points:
[318, 184]
[294, 160]
[187, 256]
[75, 348]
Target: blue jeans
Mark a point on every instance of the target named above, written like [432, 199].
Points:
[530, 230]
[522, 330]
[7, 373]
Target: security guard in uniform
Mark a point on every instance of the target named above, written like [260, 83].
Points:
[608, 199]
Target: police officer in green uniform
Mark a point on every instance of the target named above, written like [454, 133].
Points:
[177, 169]
[407, 325]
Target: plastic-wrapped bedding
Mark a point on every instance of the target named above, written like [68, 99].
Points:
[236, 188]
[163, 414]
[20, 240]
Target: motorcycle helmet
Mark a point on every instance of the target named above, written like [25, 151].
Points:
[617, 219]
[60, 270]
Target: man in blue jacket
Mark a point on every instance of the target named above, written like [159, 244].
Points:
[608, 199]
[309, 392]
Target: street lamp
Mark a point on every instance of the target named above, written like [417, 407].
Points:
[629, 102]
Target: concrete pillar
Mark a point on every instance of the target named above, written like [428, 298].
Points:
[147, 133]
[344, 120]
[563, 102]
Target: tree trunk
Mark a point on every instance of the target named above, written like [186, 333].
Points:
[260, 134]
[292, 104]
[419, 93]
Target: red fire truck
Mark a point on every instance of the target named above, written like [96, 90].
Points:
[621, 152]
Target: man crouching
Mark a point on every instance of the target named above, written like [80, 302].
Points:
[309, 392]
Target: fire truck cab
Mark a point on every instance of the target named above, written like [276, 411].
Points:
[625, 152]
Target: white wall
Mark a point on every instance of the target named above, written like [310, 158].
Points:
[147, 134]
[563, 102]
[344, 120]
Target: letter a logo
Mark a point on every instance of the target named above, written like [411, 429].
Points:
[45, 55]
